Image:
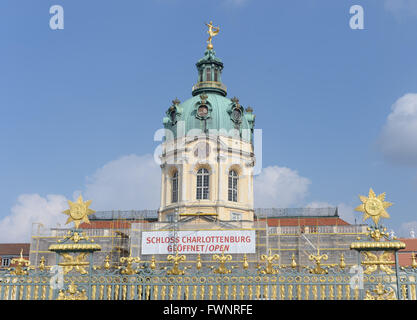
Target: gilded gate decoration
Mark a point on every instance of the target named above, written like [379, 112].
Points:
[221, 278]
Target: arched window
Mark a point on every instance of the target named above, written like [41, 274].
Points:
[175, 187]
[203, 184]
[233, 177]
[208, 74]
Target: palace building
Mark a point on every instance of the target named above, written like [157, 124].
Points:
[207, 202]
[207, 241]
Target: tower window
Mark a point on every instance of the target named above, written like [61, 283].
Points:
[201, 76]
[5, 262]
[216, 75]
[202, 184]
[233, 178]
[208, 74]
[175, 187]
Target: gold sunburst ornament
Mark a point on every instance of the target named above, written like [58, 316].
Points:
[78, 211]
[374, 206]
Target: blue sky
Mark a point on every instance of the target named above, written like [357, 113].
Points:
[79, 106]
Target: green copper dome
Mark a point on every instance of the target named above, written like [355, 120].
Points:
[209, 111]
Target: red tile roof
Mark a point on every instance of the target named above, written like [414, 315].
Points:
[405, 255]
[410, 245]
[13, 249]
[110, 224]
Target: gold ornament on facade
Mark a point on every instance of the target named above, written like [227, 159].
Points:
[72, 293]
[245, 263]
[235, 101]
[317, 259]
[77, 237]
[153, 263]
[78, 211]
[212, 31]
[203, 98]
[387, 245]
[72, 247]
[374, 206]
[380, 293]
[342, 263]
[293, 262]
[222, 259]
[106, 264]
[176, 261]
[198, 264]
[129, 262]
[42, 266]
[20, 263]
[269, 259]
[372, 262]
[76, 262]
[378, 233]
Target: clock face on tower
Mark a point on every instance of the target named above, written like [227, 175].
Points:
[202, 111]
[236, 115]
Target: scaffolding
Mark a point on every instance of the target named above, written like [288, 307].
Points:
[110, 229]
[119, 233]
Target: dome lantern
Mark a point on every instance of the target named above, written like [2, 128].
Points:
[210, 69]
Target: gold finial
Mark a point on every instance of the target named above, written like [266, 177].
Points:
[245, 262]
[374, 206]
[106, 265]
[293, 263]
[342, 264]
[153, 263]
[414, 262]
[199, 265]
[42, 264]
[78, 211]
[212, 31]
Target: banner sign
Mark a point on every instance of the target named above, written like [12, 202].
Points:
[198, 242]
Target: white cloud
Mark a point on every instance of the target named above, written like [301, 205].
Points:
[32, 208]
[318, 204]
[130, 182]
[400, 8]
[345, 211]
[398, 140]
[279, 187]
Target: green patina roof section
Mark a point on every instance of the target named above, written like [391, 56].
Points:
[219, 121]
[209, 56]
